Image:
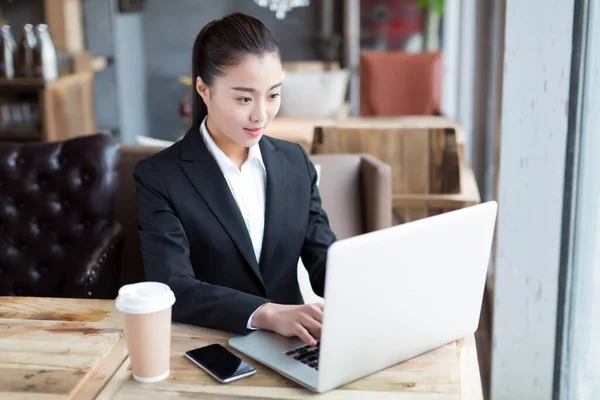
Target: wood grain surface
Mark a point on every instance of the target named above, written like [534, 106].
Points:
[58, 348]
[74, 349]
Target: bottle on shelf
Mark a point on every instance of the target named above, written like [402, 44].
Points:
[26, 53]
[47, 65]
[7, 53]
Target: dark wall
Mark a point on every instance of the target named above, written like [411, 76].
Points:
[139, 93]
[170, 28]
[19, 13]
[120, 89]
[98, 22]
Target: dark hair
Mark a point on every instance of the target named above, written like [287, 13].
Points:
[223, 43]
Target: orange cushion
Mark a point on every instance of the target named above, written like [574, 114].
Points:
[399, 83]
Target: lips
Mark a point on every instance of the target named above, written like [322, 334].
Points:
[254, 132]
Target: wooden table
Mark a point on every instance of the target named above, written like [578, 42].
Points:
[74, 349]
[58, 348]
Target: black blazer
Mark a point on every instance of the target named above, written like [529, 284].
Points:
[194, 239]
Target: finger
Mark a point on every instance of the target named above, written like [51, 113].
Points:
[315, 311]
[320, 306]
[312, 325]
[306, 337]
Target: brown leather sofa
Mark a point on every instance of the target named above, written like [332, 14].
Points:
[355, 189]
[58, 233]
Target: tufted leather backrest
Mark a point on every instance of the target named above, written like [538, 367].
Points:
[56, 200]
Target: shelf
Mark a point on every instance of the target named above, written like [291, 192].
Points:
[20, 134]
[22, 83]
[29, 85]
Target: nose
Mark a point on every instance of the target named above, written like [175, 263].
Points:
[259, 112]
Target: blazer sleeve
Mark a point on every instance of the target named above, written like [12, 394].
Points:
[165, 252]
[319, 235]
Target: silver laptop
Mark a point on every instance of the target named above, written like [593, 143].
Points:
[390, 295]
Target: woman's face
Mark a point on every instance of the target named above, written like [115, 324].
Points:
[242, 102]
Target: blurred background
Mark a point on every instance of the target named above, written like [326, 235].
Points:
[467, 100]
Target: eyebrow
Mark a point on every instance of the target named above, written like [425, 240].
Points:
[245, 89]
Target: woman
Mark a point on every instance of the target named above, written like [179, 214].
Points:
[225, 213]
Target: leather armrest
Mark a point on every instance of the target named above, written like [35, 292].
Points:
[98, 277]
[377, 193]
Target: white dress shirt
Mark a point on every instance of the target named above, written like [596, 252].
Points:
[247, 185]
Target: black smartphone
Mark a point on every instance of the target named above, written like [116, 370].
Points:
[220, 363]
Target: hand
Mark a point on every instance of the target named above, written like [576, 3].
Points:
[303, 321]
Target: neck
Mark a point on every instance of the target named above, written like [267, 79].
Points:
[234, 151]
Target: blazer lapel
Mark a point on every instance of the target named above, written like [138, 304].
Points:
[206, 176]
[275, 165]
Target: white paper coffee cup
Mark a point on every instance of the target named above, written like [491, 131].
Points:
[146, 307]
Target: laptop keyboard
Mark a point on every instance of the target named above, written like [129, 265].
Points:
[308, 355]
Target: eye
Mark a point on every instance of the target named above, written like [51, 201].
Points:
[275, 95]
[244, 99]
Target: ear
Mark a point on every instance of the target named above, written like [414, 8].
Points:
[202, 90]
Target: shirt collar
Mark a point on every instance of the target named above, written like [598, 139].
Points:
[223, 161]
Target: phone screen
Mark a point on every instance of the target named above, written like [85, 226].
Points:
[220, 362]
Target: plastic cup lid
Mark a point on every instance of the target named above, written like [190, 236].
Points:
[144, 298]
